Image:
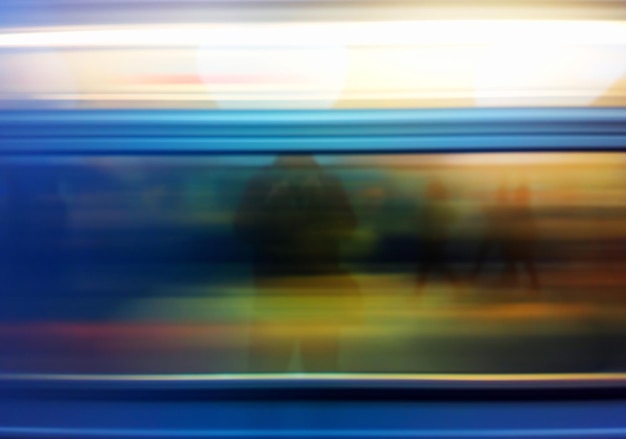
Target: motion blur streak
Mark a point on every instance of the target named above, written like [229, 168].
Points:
[457, 263]
[370, 64]
[371, 33]
[213, 256]
[390, 380]
[596, 433]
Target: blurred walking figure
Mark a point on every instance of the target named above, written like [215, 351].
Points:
[496, 219]
[294, 216]
[521, 241]
[510, 227]
[434, 222]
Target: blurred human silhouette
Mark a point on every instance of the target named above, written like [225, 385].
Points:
[435, 219]
[294, 215]
[496, 217]
[521, 240]
[510, 226]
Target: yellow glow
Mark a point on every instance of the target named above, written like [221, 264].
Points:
[246, 77]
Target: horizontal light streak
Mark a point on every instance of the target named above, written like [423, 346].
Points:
[609, 378]
[291, 96]
[399, 33]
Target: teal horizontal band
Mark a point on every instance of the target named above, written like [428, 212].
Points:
[278, 132]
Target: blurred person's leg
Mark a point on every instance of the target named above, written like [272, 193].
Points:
[529, 265]
[510, 278]
[427, 263]
[510, 254]
[442, 265]
[423, 274]
[452, 279]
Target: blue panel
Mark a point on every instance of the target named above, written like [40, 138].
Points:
[373, 131]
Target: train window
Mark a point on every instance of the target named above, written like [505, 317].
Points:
[263, 187]
[392, 263]
[344, 218]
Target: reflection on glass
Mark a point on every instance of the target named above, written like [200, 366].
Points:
[434, 224]
[511, 229]
[220, 264]
[294, 215]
